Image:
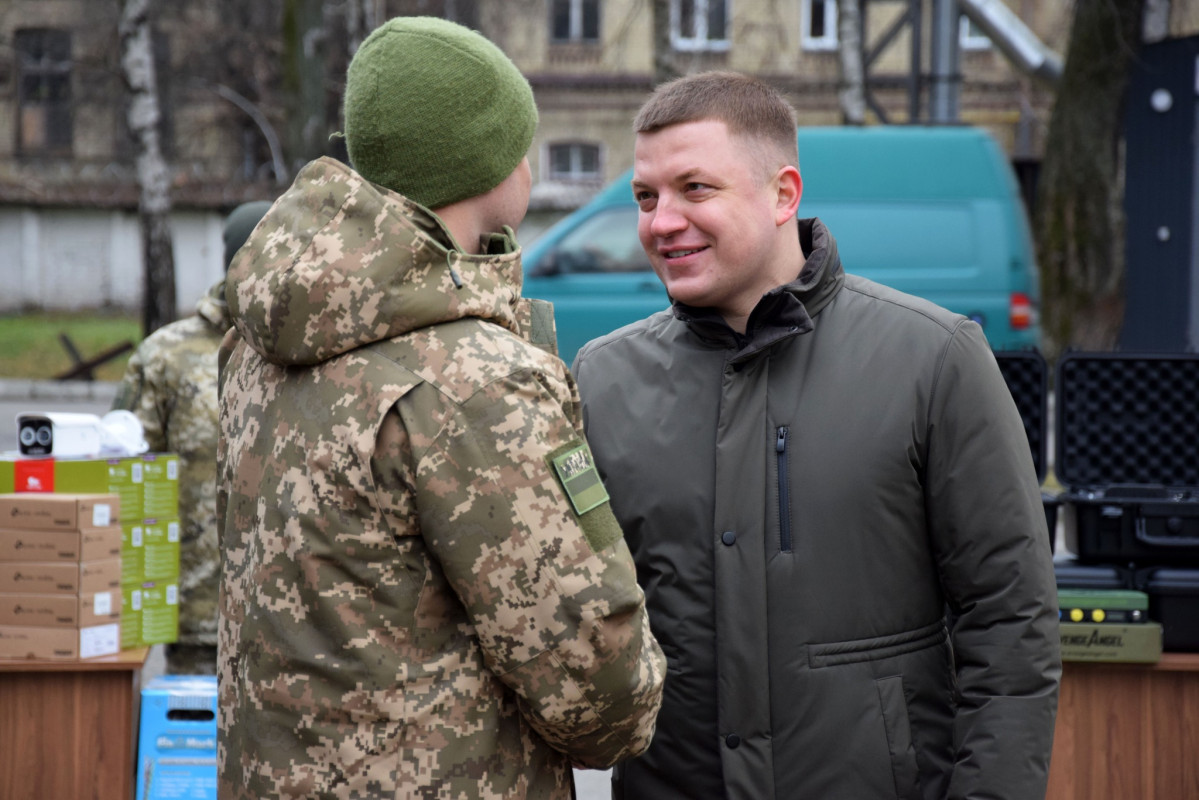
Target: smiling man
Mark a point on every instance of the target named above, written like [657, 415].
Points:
[810, 468]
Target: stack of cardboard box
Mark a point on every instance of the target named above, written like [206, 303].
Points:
[148, 488]
[60, 572]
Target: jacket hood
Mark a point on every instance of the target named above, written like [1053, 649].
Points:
[213, 309]
[339, 263]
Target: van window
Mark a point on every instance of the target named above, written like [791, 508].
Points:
[605, 242]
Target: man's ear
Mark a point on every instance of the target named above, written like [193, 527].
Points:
[790, 189]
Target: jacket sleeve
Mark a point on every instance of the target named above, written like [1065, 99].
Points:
[988, 528]
[550, 588]
[140, 393]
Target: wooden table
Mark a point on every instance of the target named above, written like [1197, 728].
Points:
[1127, 731]
[68, 729]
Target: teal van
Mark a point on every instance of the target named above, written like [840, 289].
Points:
[931, 211]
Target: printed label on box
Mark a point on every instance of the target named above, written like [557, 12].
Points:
[101, 640]
[101, 515]
[34, 475]
[102, 606]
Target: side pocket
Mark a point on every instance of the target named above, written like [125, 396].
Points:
[899, 737]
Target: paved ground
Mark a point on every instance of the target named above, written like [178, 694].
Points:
[21, 396]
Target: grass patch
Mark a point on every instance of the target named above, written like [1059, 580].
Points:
[31, 347]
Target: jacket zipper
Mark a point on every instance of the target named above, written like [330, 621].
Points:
[780, 450]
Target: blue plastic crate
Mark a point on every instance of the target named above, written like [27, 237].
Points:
[176, 752]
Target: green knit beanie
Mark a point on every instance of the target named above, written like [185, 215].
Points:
[435, 111]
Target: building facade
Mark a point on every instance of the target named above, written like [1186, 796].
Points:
[251, 91]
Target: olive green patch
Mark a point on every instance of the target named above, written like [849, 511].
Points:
[574, 467]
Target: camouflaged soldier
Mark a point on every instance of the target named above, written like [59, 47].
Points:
[424, 591]
[170, 383]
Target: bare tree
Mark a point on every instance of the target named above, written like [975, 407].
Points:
[853, 69]
[1080, 220]
[665, 68]
[306, 40]
[154, 205]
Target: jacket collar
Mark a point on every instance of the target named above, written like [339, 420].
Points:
[784, 311]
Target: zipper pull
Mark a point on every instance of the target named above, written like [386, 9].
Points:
[780, 443]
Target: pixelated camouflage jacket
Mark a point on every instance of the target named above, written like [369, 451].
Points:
[411, 605]
[170, 383]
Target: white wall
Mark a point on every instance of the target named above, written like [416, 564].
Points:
[70, 259]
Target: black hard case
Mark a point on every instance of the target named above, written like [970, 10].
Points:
[1127, 449]
[1027, 378]
[1071, 574]
[1174, 602]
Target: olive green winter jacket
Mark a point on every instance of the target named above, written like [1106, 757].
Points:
[424, 592]
[803, 502]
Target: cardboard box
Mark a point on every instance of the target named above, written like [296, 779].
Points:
[61, 610]
[176, 751]
[60, 577]
[59, 644]
[93, 544]
[150, 551]
[149, 614]
[120, 476]
[58, 512]
[160, 486]
[1138, 643]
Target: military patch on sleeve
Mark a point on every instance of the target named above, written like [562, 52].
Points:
[575, 468]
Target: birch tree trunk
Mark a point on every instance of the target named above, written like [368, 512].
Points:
[305, 44]
[853, 70]
[664, 66]
[153, 177]
[1080, 220]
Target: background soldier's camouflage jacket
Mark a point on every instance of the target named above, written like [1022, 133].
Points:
[170, 383]
[411, 604]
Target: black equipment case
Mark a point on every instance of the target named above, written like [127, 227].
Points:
[1174, 602]
[1027, 378]
[1127, 449]
[1070, 574]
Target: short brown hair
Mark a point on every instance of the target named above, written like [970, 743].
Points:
[749, 107]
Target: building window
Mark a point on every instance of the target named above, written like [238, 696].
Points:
[574, 161]
[574, 20]
[464, 12]
[699, 24]
[44, 91]
[818, 24]
[970, 36]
